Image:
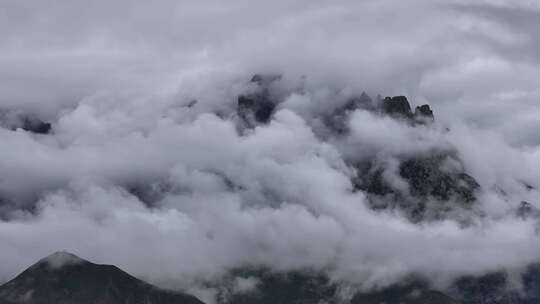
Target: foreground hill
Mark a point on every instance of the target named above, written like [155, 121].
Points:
[63, 278]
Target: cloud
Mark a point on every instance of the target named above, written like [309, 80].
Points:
[132, 175]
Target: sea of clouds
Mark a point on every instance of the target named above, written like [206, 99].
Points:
[115, 80]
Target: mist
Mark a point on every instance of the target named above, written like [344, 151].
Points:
[147, 165]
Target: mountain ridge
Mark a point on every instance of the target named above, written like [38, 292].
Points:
[64, 278]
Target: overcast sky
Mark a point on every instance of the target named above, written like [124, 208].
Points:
[114, 76]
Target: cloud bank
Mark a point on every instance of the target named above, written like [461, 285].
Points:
[136, 173]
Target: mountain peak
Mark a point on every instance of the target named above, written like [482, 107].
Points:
[63, 277]
[61, 258]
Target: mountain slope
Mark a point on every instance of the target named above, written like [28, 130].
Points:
[313, 288]
[63, 278]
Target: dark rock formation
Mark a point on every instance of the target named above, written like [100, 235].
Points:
[428, 179]
[397, 106]
[27, 122]
[424, 114]
[370, 179]
[257, 107]
[291, 287]
[63, 278]
[35, 125]
[308, 288]
[531, 284]
[411, 293]
[488, 289]
[495, 288]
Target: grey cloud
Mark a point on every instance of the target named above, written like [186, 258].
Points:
[115, 80]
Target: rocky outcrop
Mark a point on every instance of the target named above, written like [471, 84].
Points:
[428, 176]
[397, 107]
[424, 114]
[255, 108]
[26, 122]
[35, 125]
[258, 106]
[433, 187]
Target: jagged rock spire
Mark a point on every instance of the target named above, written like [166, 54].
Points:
[397, 106]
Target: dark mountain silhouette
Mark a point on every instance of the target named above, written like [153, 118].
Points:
[499, 288]
[297, 287]
[424, 113]
[35, 125]
[307, 287]
[27, 122]
[397, 106]
[63, 278]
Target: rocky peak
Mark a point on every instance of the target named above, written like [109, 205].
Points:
[424, 114]
[65, 278]
[397, 106]
[258, 106]
[61, 258]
